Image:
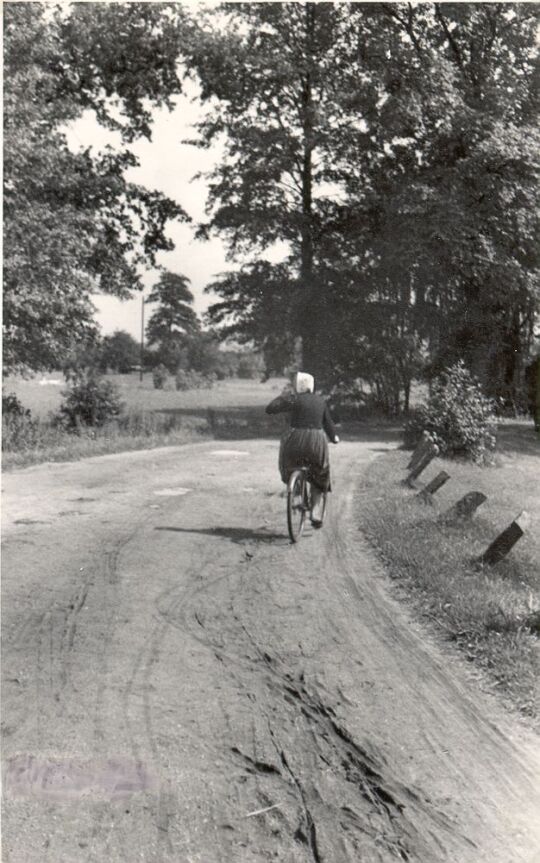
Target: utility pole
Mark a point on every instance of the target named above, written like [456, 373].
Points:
[142, 338]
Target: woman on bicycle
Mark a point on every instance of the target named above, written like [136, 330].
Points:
[305, 442]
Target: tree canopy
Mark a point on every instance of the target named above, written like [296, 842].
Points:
[119, 352]
[72, 223]
[173, 313]
[394, 148]
[173, 319]
[284, 78]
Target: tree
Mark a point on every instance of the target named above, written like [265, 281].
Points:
[284, 83]
[256, 309]
[394, 148]
[72, 223]
[173, 320]
[202, 353]
[83, 357]
[119, 352]
[452, 187]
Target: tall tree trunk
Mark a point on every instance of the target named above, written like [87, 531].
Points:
[513, 362]
[309, 324]
[406, 396]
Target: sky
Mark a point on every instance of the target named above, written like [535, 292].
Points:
[167, 165]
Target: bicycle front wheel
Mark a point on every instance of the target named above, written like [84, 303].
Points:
[296, 504]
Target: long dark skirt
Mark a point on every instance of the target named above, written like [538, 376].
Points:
[305, 448]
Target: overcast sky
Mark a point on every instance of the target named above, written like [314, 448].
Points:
[168, 166]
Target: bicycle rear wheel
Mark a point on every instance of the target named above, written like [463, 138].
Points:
[296, 504]
[323, 508]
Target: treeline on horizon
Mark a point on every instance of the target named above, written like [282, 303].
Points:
[393, 148]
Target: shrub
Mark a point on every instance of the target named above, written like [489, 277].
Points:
[82, 357]
[91, 401]
[458, 416]
[190, 380]
[18, 427]
[119, 352]
[415, 425]
[389, 368]
[140, 423]
[227, 366]
[347, 402]
[160, 376]
[250, 366]
[13, 408]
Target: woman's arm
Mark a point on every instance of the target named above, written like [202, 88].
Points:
[281, 404]
[329, 427]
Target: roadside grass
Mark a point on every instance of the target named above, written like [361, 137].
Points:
[135, 430]
[491, 615]
[151, 418]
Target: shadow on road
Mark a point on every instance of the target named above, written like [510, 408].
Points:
[379, 449]
[236, 534]
[230, 423]
[249, 421]
[518, 438]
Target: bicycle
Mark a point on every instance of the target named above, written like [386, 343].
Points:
[299, 502]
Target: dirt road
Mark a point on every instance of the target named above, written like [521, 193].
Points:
[181, 685]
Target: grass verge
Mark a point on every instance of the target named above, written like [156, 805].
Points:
[488, 614]
[35, 441]
[150, 418]
[42, 441]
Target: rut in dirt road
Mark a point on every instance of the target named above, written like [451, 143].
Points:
[364, 810]
[211, 694]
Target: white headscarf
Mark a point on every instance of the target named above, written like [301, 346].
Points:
[304, 383]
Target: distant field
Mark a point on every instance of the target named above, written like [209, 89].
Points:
[42, 398]
[232, 408]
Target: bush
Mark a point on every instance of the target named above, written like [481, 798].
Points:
[91, 401]
[458, 416]
[119, 352]
[82, 357]
[191, 380]
[347, 402]
[141, 423]
[160, 376]
[18, 427]
[250, 366]
[227, 366]
[12, 408]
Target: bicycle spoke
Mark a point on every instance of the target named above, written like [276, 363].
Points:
[296, 510]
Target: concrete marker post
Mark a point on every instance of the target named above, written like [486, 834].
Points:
[464, 509]
[532, 622]
[419, 450]
[426, 495]
[506, 540]
[431, 452]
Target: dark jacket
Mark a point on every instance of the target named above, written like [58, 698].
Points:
[308, 411]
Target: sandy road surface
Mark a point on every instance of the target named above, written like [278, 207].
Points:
[173, 666]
